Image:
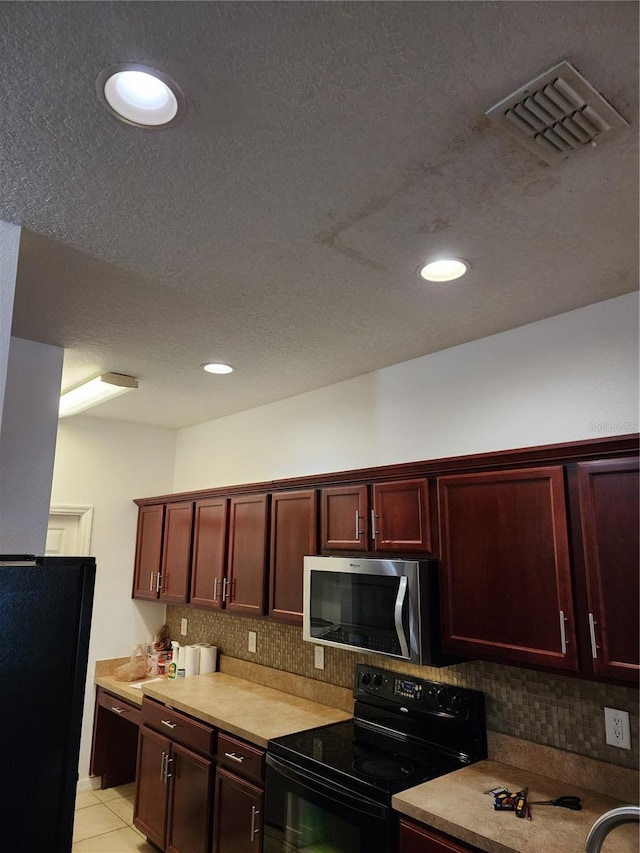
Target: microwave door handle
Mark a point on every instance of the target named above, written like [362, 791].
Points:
[397, 616]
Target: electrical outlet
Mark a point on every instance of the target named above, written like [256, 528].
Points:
[616, 727]
[183, 627]
[252, 641]
[318, 657]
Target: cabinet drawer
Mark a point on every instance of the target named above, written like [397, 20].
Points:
[179, 727]
[241, 757]
[118, 706]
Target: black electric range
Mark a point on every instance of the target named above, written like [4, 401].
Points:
[331, 787]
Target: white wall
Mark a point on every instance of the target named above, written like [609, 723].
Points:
[9, 247]
[27, 444]
[107, 464]
[571, 377]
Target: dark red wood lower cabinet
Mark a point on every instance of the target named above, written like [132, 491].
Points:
[238, 810]
[190, 794]
[150, 809]
[418, 839]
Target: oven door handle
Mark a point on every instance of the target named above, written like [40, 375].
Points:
[397, 616]
[317, 784]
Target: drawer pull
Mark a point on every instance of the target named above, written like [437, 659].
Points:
[254, 829]
[118, 710]
[234, 757]
[169, 724]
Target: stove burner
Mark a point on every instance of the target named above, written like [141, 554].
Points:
[320, 746]
[383, 768]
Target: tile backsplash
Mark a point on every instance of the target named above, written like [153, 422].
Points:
[548, 709]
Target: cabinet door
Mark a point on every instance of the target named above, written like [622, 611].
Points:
[190, 794]
[150, 808]
[345, 522]
[400, 516]
[293, 535]
[247, 560]
[209, 547]
[419, 839]
[505, 561]
[148, 551]
[610, 510]
[176, 552]
[237, 826]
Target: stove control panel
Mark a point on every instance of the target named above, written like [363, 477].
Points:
[429, 697]
[407, 689]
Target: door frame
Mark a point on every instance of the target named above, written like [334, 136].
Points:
[84, 514]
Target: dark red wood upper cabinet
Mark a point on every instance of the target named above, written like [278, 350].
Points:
[294, 517]
[245, 587]
[209, 552]
[609, 512]
[176, 552]
[400, 516]
[345, 519]
[147, 569]
[506, 582]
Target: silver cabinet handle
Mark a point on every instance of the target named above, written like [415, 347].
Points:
[169, 724]
[234, 757]
[254, 830]
[151, 581]
[374, 532]
[592, 632]
[563, 633]
[357, 524]
[168, 775]
[164, 755]
[215, 589]
[225, 583]
[159, 582]
[118, 710]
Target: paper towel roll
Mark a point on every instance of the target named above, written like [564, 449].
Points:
[191, 660]
[208, 658]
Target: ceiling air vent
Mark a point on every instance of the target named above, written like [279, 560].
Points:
[558, 113]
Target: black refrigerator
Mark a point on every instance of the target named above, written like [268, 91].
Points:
[45, 617]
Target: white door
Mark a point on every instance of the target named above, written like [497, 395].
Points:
[69, 531]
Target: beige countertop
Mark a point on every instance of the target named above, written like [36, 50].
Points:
[251, 711]
[456, 804]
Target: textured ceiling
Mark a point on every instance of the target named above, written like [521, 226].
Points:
[328, 149]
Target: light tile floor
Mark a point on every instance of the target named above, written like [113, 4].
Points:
[104, 823]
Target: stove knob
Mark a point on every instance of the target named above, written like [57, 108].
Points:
[458, 703]
[377, 680]
[366, 679]
[442, 697]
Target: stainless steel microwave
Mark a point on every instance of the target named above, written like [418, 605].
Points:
[386, 607]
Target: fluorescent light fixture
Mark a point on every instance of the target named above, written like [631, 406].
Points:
[141, 96]
[217, 367]
[445, 269]
[95, 391]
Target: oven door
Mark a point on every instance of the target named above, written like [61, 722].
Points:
[304, 812]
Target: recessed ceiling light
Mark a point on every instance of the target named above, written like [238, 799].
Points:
[217, 367]
[141, 96]
[445, 269]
